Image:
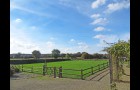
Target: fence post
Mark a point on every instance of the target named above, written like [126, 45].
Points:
[22, 67]
[54, 72]
[103, 65]
[60, 72]
[82, 74]
[99, 67]
[91, 70]
[43, 70]
[46, 70]
[45, 64]
[19, 67]
[32, 69]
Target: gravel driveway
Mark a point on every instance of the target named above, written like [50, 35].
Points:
[28, 81]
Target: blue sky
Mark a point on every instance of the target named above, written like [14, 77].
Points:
[68, 25]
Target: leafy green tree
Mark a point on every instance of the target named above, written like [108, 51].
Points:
[85, 55]
[73, 56]
[55, 53]
[90, 56]
[36, 54]
[67, 56]
[99, 56]
[78, 54]
[120, 49]
[96, 55]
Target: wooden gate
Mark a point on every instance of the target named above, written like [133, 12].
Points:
[52, 71]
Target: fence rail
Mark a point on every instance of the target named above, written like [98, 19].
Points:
[72, 69]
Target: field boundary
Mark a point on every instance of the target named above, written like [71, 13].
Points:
[59, 71]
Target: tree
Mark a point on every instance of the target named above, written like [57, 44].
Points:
[85, 55]
[100, 56]
[36, 54]
[78, 54]
[73, 56]
[118, 51]
[55, 53]
[96, 55]
[63, 55]
[18, 55]
[67, 55]
[90, 56]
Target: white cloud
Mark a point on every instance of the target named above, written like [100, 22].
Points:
[12, 5]
[18, 20]
[18, 6]
[83, 45]
[82, 7]
[99, 29]
[20, 41]
[17, 44]
[33, 27]
[52, 38]
[97, 3]
[117, 6]
[111, 38]
[95, 16]
[107, 38]
[50, 44]
[66, 50]
[100, 21]
[72, 40]
[100, 36]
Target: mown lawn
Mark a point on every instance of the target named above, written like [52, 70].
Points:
[74, 64]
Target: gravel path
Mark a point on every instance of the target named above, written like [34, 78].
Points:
[31, 82]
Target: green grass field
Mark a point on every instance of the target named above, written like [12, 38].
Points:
[74, 64]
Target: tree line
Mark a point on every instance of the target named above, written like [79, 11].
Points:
[57, 54]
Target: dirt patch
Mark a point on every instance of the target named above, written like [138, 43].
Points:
[23, 75]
